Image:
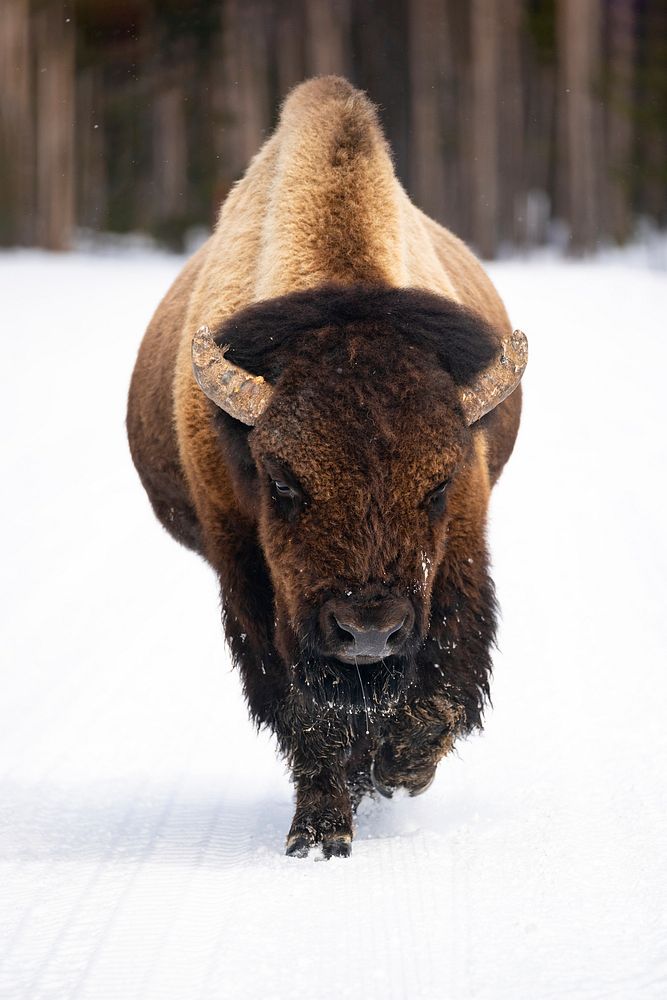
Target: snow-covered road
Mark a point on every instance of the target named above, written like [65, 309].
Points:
[141, 818]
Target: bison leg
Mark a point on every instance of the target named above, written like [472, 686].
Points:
[417, 739]
[359, 780]
[323, 816]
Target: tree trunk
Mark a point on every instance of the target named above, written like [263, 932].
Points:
[427, 33]
[484, 42]
[170, 163]
[579, 71]
[288, 44]
[620, 132]
[91, 207]
[539, 95]
[651, 112]
[512, 179]
[379, 35]
[328, 27]
[246, 83]
[54, 47]
[16, 125]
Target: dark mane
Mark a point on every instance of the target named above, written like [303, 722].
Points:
[263, 335]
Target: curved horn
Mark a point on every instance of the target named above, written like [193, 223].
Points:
[498, 380]
[242, 395]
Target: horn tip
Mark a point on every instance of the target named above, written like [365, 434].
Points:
[519, 341]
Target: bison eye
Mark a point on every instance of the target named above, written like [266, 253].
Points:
[435, 499]
[284, 490]
[288, 500]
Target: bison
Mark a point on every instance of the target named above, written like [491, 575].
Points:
[320, 407]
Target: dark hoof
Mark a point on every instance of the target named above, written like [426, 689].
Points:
[298, 846]
[387, 791]
[381, 789]
[337, 847]
[420, 789]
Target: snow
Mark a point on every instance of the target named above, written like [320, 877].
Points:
[142, 820]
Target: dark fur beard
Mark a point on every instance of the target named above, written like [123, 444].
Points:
[456, 656]
[373, 690]
[452, 660]
[328, 708]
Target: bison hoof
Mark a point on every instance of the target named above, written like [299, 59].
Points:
[414, 787]
[298, 846]
[379, 787]
[418, 789]
[337, 847]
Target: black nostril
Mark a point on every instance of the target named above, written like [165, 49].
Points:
[346, 630]
[342, 631]
[396, 628]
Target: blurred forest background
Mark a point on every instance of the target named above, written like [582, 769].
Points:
[514, 122]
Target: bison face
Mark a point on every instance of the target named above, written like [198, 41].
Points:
[361, 468]
[357, 484]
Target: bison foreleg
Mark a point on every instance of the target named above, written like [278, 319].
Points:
[323, 815]
[359, 779]
[418, 738]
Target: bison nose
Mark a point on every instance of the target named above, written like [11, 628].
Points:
[370, 642]
[367, 629]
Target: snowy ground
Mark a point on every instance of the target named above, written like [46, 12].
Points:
[141, 818]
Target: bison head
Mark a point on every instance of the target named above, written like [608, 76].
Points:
[347, 415]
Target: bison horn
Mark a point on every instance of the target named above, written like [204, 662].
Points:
[498, 380]
[237, 392]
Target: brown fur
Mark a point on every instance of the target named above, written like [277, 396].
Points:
[320, 210]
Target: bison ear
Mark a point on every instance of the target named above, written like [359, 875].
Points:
[237, 392]
[498, 380]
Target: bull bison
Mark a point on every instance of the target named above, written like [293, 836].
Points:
[320, 407]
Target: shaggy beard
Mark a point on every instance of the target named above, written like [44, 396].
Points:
[372, 689]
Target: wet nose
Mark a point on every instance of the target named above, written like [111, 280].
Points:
[372, 642]
[364, 630]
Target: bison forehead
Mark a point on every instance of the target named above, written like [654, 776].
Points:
[351, 432]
